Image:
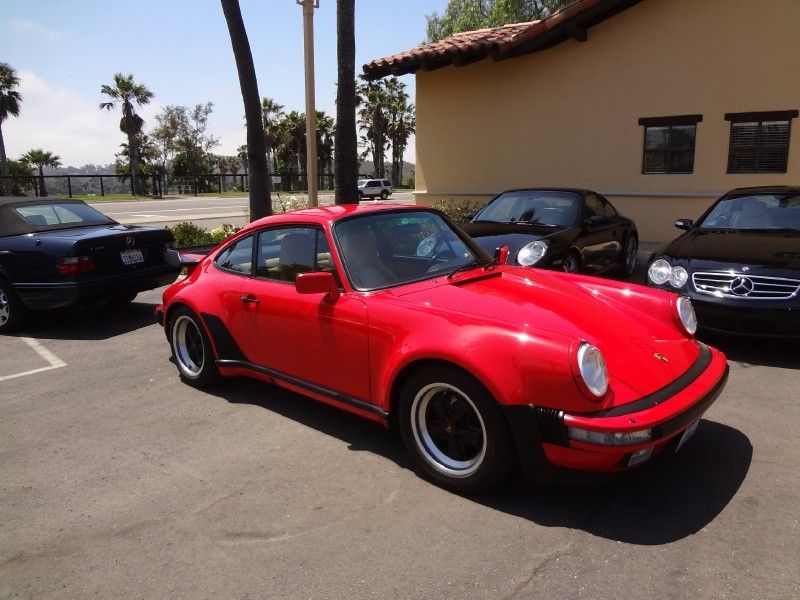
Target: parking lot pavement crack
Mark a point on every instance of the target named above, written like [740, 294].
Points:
[543, 564]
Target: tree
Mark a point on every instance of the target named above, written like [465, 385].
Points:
[373, 115]
[165, 135]
[271, 115]
[193, 142]
[402, 123]
[345, 137]
[39, 158]
[469, 15]
[126, 91]
[325, 129]
[9, 106]
[260, 200]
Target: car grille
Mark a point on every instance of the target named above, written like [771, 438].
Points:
[725, 284]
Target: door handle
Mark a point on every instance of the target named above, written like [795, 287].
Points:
[248, 299]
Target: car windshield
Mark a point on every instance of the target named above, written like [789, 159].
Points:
[543, 207]
[759, 211]
[393, 248]
[56, 215]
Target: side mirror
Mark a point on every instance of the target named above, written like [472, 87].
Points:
[321, 282]
[684, 224]
[596, 221]
[501, 255]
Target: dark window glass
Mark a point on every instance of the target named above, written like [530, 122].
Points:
[593, 206]
[669, 148]
[609, 210]
[759, 146]
[759, 211]
[542, 207]
[67, 213]
[237, 257]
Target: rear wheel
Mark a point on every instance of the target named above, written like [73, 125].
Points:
[13, 313]
[572, 263]
[453, 430]
[384, 195]
[191, 349]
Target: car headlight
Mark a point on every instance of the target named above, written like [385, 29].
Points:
[660, 271]
[686, 315]
[532, 253]
[678, 277]
[592, 369]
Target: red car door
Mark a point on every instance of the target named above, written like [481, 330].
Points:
[312, 337]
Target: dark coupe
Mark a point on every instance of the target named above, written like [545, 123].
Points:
[739, 263]
[56, 253]
[574, 230]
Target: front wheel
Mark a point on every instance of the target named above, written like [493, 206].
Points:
[384, 195]
[571, 264]
[191, 349]
[453, 430]
[630, 255]
[12, 312]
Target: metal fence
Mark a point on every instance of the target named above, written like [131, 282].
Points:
[152, 185]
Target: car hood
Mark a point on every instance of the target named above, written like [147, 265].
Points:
[531, 299]
[514, 235]
[768, 248]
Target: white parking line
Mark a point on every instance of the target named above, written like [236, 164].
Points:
[52, 359]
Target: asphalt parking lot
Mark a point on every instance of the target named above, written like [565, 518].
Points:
[118, 480]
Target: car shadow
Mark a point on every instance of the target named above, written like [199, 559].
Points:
[755, 351]
[673, 498]
[95, 322]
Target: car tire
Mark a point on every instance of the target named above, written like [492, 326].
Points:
[191, 349]
[13, 314]
[572, 262]
[629, 255]
[384, 195]
[454, 430]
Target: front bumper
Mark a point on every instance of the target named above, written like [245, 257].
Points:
[40, 296]
[548, 454]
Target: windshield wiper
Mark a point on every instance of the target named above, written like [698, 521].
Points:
[470, 265]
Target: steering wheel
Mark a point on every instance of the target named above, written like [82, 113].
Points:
[426, 246]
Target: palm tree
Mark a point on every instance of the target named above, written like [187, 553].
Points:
[127, 92]
[373, 115]
[271, 115]
[325, 130]
[260, 199]
[402, 123]
[345, 138]
[39, 158]
[9, 106]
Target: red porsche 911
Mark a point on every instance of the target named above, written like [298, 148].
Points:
[395, 314]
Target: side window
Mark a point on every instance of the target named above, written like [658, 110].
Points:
[238, 257]
[386, 183]
[608, 210]
[593, 206]
[285, 252]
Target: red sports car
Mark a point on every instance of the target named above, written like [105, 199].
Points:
[395, 314]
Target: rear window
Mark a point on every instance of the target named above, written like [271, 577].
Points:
[71, 214]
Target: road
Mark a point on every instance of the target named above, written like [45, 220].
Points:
[118, 480]
[208, 212]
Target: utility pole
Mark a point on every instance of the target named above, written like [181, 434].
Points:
[311, 111]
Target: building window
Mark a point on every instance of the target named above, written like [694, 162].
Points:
[669, 144]
[759, 141]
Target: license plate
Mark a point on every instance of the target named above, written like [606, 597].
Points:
[687, 434]
[132, 257]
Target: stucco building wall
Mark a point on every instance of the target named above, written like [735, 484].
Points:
[568, 116]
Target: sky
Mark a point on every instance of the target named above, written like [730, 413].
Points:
[64, 51]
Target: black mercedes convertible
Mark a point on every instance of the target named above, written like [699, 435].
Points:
[56, 253]
[569, 229]
[739, 263]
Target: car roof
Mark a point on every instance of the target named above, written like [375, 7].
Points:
[580, 191]
[764, 189]
[5, 200]
[329, 214]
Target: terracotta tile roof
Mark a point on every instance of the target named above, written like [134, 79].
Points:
[499, 42]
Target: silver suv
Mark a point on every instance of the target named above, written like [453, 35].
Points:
[372, 188]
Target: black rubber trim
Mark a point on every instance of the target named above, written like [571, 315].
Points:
[226, 346]
[551, 425]
[306, 385]
[665, 393]
[693, 413]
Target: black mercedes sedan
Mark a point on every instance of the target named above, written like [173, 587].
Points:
[56, 252]
[570, 229]
[739, 263]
